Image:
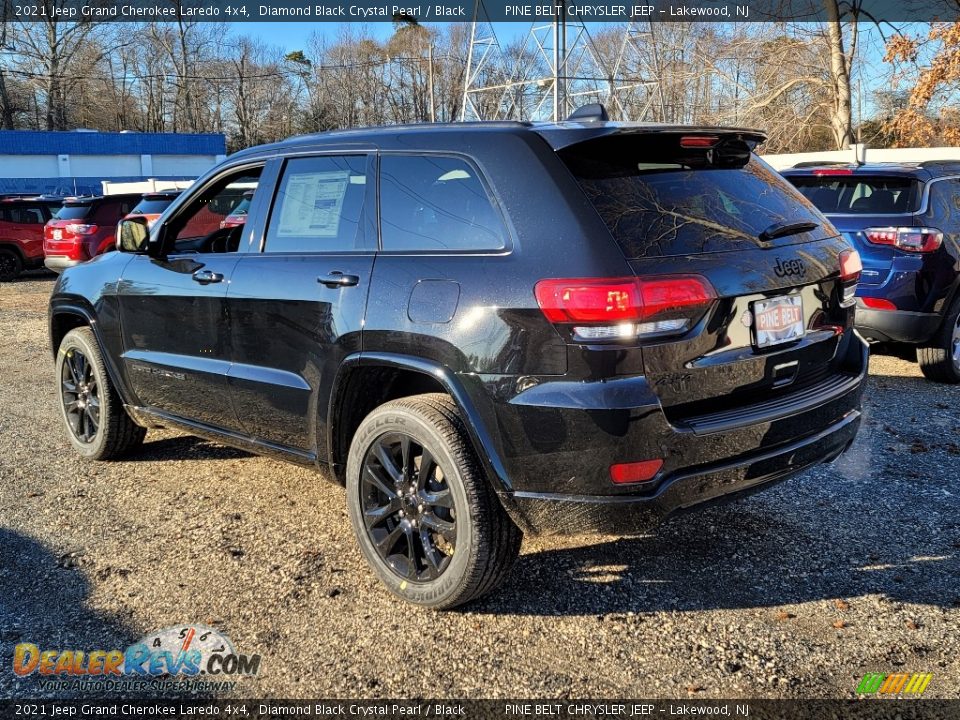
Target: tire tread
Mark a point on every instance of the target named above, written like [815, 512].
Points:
[498, 538]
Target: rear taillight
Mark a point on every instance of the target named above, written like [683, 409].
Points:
[827, 172]
[850, 265]
[920, 240]
[617, 308]
[80, 229]
[850, 269]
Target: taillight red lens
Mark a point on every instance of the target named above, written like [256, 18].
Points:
[666, 295]
[634, 472]
[878, 303]
[827, 172]
[658, 305]
[911, 239]
[850, 265]
[589, 300]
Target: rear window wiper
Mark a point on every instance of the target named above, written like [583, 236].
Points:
[783, 229]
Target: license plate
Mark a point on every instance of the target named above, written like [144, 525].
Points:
[778, 320]
[57, 234]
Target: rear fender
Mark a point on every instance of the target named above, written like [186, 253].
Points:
[481, 439]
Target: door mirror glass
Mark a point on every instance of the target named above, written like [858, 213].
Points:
[133, 235]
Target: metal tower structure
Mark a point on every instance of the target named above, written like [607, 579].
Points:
[558, 67]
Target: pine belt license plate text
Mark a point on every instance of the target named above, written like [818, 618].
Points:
[778, 320]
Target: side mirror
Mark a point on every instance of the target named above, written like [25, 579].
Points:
[133, 235]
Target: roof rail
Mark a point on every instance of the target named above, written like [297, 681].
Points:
[938, 163]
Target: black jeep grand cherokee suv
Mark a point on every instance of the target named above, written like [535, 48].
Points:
[480, 330]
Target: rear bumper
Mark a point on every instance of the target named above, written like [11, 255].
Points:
[569, 490]
[896, 325]
[59, 263]
[629, 515]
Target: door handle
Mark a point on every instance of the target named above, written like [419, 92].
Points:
[205, 277]
[337, 279]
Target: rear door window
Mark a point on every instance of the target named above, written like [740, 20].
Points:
[434, 203]
[22, 215]
[319, 206]
[863, 195]
[659, 199]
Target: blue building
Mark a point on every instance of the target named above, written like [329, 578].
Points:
[75, 162]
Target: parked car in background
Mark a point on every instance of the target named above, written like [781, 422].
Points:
[152, 205]
[480, 330]
[83, 228]
[238, 216]
[21, 234]
[905, 221]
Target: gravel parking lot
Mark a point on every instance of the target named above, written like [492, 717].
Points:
[795, 592]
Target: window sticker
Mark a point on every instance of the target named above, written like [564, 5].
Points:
[312, 204]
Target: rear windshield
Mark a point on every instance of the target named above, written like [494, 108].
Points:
[658, 199]
[73, 212]
[152, 206]
[858, 194]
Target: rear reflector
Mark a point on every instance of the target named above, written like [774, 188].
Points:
[825, 172]
[878, 303]
[634, 472]
[616, 308]
[911, 239]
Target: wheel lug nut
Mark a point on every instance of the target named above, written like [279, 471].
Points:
[419, 508]
[402, 514]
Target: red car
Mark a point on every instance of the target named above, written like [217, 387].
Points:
[21, 235]
[238, 216]
[84, 228]
[152, 205]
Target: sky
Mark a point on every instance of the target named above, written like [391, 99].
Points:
[295, 36]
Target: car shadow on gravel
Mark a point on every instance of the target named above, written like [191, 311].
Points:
[44, 602]
[733, 557]
[185, 447]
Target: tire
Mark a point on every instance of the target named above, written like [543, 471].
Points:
[939, 358]
[10, 265]
[450, 541]
[96, 422]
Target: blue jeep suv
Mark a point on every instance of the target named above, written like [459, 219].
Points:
[905, 221]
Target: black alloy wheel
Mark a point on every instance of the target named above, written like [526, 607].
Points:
[80, 395]
[408, 509]
[98, 425]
